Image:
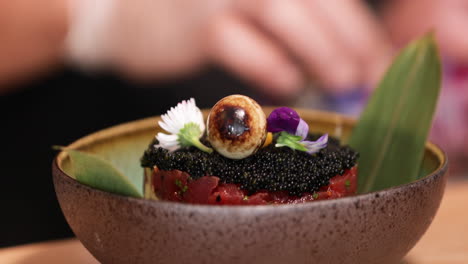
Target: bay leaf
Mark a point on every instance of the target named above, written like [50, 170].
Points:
[393, 128]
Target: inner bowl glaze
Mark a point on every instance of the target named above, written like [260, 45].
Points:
[377, 227]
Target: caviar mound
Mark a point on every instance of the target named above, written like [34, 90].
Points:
[271, 169]
[178, 186]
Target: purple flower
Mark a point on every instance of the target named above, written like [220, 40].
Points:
[302, 129]
[294, 142]
[315, 146]
[288, 120]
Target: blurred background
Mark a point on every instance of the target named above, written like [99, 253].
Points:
[69, 68]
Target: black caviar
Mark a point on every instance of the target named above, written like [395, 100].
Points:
[271, 168]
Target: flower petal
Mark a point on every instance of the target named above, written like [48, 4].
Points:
[302, 129]
[167, 140]
[316, 146]
[283, 119]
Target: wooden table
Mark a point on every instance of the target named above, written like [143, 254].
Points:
[446, 241]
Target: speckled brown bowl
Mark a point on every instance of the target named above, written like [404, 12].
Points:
[378, 227]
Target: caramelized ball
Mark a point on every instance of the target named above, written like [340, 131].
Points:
[236, 126]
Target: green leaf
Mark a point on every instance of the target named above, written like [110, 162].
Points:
[287, 140]
[99, 173]
[393, 128]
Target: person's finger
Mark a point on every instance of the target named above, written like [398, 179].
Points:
[235, 44]
[358, 31]
[302, 33]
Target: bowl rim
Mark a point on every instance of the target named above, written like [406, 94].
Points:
[146, 123]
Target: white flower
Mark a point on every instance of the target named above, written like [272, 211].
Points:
[185, 125]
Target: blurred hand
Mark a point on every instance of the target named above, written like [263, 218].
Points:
[31, 38]
[406, 20]
[278, 45]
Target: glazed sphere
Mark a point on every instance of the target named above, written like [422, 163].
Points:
[236, 126]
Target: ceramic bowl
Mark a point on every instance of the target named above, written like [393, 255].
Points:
[377, 227]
